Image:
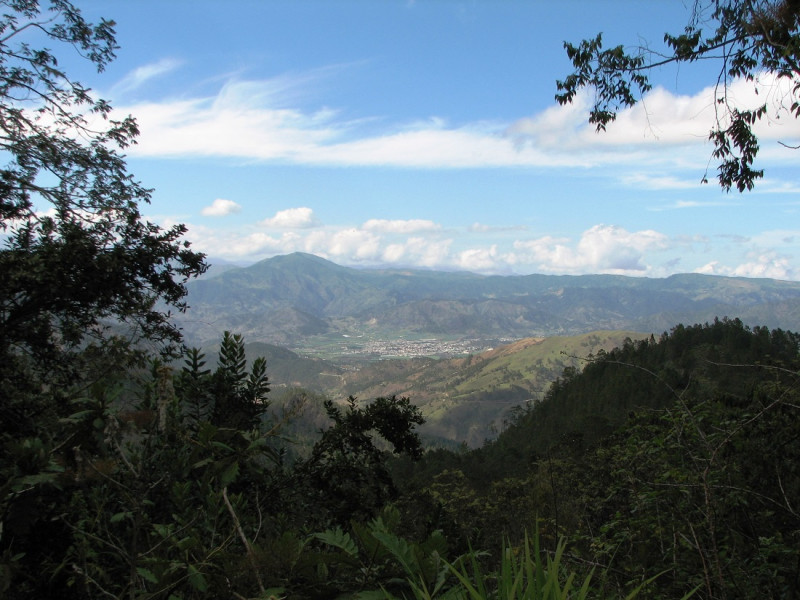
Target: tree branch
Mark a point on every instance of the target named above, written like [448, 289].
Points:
[250, 554]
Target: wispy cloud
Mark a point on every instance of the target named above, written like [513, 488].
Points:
[141, 75]
[257, 120]
[658, 182]
[484, 228]
[770, 185]
[778, 238]
[685, 204]
[400, 226]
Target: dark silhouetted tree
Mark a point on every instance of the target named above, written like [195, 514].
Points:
[747, 38]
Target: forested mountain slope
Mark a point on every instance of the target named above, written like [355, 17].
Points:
[672, 457]
[470, 399]
[288, 300]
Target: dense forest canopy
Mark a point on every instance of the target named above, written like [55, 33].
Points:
[674, 457]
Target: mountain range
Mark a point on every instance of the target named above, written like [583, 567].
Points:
[467, 348]
[302, 302]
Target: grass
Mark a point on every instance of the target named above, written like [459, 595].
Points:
[525, 573]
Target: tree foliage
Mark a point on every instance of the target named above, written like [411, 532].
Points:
[176, 486]
[675, 456]
[346, 474]
[706, 491]
[671, 459]
[116, 480]
[747, 38]
[80, 265]
[171, 503]
[87, 283]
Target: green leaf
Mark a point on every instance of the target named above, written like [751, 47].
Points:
[147, 574]
[339, 539]
[197, 580]
[369, 595]
[230, 474]
[75, 417]
[222, 446]
[401, 550]
[32, 480]
[120, 516]
[202, 463]
[186, 543]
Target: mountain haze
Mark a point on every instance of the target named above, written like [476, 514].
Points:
[300, 299]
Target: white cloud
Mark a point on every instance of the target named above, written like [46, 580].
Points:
[393, 253]
[292, 218]
[769, 264]
[400, 226]
[431, 253]
[220, 208]
[599, 249]
[432, 148]
[483, 228]
[683, 204]
[658, 182]
[603, 248]
[261, 120]
[478, 259]
[773, 186]
[252, 243]
[231, 244]
[662, 117]
[663, 129]
[353, 245]
[231, 124]
[143, 74]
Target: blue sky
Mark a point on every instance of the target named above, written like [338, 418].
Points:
[425, 134]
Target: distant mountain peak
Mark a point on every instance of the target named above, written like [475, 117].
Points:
[300, 260]
[338, 300]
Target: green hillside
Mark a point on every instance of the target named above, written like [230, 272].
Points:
[469, 399]
[671, 458]
[287, 369]
[464, 400]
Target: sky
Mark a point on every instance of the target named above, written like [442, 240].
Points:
[426, 134]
